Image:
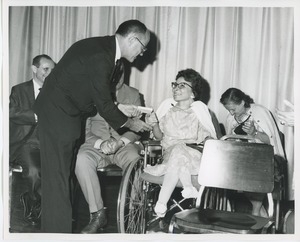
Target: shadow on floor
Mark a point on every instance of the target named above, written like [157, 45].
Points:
[110, 189]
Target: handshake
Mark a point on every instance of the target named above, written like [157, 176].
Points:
[134, 113]
[151, 119]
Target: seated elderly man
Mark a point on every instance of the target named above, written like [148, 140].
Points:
[104, 146]
[24, 144]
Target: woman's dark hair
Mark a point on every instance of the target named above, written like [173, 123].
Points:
[236, 96]
[196, 80]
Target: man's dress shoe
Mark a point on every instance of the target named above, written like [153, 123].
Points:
[97, 220]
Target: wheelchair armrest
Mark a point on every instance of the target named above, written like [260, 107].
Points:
[237, 137]
[16, 168]
[111, 170]
[195, 146]
[151, 143]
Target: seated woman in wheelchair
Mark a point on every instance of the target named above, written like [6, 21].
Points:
[182, 120]
[255, 121]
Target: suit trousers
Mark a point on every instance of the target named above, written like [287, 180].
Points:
[58, 134]
[89, 159]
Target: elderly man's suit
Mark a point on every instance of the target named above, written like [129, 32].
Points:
[23, 141]
[80, 81]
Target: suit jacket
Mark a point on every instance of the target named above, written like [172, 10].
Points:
[98, 128]
[21, 116]
[80, 80]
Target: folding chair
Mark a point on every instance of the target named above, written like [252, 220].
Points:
[237, 166]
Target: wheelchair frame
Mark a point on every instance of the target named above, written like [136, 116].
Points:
[139, 192]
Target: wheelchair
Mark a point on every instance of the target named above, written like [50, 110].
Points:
[139, 191]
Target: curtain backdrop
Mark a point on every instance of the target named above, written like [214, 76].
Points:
[248, 48]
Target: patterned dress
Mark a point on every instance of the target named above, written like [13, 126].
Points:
[179, 127]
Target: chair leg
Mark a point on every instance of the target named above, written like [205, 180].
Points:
[10, 191]
[277, 216]
[172, 224]
[270, 226]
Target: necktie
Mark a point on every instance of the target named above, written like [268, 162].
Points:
[115, 77]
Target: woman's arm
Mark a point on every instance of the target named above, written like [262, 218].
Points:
[158, 134]
[153, 121]
[260, 135]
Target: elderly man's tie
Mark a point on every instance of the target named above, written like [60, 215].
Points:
[115, 78]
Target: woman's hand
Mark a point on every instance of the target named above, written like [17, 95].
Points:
[249, 127]
[286, 117]
[151, 119]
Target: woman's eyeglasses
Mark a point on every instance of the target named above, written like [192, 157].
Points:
[180, 85]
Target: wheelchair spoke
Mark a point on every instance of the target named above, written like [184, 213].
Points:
[136, 199]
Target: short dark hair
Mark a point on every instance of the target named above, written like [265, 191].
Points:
[196, 80]
[131, 26]
[236, 96]
[36, 60]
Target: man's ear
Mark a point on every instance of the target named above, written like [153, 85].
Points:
[34, 68]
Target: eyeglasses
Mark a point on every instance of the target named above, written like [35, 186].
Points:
[180, 85]
[144, 47]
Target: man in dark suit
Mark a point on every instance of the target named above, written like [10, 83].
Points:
[80, 81]
[24, 144]
[103, 146]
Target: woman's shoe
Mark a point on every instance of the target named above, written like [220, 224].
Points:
[160, 209]
[189, 192]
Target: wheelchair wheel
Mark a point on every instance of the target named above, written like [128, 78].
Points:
[131, 201]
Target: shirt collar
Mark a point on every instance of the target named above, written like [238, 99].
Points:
[118, 50]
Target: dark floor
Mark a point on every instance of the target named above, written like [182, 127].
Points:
[81, 211]
[110, 188]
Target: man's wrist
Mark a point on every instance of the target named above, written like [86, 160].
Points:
[125, 140]
[121, 143]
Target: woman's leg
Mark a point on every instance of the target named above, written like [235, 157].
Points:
[168, 186]
[186, 179]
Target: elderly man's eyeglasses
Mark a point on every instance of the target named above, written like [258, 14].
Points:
[180, 85]
[144, 47]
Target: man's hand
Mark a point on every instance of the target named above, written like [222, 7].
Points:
[137, 125]
[285, 117]
[129, 110]
[109, 146]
